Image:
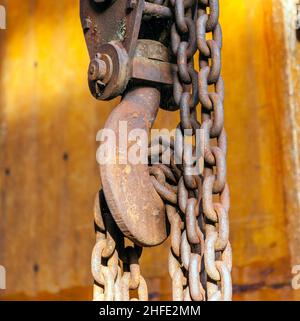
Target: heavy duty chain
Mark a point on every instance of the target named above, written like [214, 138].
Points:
[217, 248]
[196, 202]
[115, 268]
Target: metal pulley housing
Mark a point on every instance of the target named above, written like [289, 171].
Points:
[126, 53]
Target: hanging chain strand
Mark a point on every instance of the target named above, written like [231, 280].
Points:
[217, 249]
[115, 268]
[200, 258]
[187, 239]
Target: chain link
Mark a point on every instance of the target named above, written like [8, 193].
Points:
[115, 268]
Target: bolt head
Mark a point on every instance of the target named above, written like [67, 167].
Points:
[97, 69]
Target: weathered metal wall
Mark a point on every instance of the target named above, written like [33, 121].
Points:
[49, 175]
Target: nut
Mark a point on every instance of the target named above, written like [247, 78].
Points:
[97, 69]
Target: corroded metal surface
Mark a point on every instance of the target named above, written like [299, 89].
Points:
[132, 199]
[197, 203]
[200, 257]
[112, 282]
[111, 21]
[112, 30]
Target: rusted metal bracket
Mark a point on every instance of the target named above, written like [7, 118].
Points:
[119, 59]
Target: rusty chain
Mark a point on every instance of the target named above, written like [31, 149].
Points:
[217, 248]
[186, 245]
[200, 256]
[197, 204]
[115, 268]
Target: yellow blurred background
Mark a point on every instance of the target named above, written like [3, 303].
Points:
[48, 170]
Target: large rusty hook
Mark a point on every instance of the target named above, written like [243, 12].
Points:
[135, 205]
